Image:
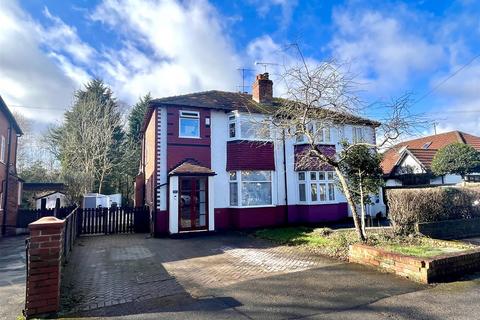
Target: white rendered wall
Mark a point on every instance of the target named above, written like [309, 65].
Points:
[219, 136]
[211, 201]
[173, 209]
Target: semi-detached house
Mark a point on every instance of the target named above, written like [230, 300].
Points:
[205, 167]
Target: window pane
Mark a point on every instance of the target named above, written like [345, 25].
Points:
[247, 130]
[331, 191]
[189, 127]
[322, 192]
[313, 193]
[313, 175]
[256, 193]
[320, 136]
[327, 134]
[256, 176]
[302, 192]
[233, 175]
[321, 176]
[233, 194]
[232, 130]
[301, 176]
[330, 175]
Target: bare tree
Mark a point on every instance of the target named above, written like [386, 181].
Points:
[320, 96]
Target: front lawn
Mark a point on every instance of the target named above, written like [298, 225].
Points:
[335, 243]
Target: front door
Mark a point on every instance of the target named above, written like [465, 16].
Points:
[193, 204]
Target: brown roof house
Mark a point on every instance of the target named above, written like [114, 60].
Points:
[409, 162]
[10, 184]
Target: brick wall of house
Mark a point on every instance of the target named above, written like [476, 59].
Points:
[13, 184]
[150, 151]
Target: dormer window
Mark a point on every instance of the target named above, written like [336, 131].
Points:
[189, 124]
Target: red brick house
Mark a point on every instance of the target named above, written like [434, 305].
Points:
[409, 162]
[10, 187]
[205, 168]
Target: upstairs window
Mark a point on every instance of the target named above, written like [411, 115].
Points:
[2, 150]
[189, 124]
[246, 127]
[357, 135]
[321, 133]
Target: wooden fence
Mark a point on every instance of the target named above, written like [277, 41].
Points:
[114, 220]
[27, 216]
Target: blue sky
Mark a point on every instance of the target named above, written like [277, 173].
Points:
[50, 48]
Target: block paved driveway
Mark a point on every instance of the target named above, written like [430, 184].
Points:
[12, 277]
[218, 276]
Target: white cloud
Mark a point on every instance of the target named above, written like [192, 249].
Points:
[188, 49]
[263, 8]
[380, 49]
[28, 76]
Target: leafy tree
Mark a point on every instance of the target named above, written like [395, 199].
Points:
[89, 142]
[135, 122]
[456, 158]
[363, 173]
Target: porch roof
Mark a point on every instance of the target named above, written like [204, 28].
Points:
[190, 167]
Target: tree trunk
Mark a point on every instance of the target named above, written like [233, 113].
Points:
[362, 207]
[351, 203]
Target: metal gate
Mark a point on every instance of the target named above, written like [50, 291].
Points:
[114, 220]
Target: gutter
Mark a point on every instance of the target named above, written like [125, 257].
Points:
[5, 197]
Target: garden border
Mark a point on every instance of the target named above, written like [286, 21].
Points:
[424, 270]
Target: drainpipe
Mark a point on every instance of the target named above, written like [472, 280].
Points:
[285, 176]
[5, 196]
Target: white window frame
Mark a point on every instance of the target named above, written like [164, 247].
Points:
[236, 119]
[2, 149]
[325, 178]
[238, 181]
[323, 132]
[191, 115]
[355, 132]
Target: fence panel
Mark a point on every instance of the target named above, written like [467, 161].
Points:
[114, 220]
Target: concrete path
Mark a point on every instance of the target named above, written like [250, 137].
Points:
[215, 277]
[12, 277]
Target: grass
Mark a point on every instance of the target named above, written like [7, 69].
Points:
[335, 243]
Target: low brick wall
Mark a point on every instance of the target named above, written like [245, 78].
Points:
[450, 229]
[425, 270]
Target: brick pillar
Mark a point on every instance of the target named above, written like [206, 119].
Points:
[44, 266]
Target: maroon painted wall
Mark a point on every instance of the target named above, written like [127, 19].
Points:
[314, 164]
[250, 155]
[161, 222]
[179, 149]
[244, 218]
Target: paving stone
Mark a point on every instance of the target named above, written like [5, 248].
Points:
[117, 269]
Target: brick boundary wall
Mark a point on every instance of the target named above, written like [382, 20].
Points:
[450, 229]
[424, 270]
[44, 266]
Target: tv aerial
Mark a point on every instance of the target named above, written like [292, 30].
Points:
[265, 64]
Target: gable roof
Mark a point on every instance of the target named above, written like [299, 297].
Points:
[227, 101]
[425, 148]
[4, 109]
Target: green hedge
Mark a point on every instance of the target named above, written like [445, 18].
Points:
[409, 206]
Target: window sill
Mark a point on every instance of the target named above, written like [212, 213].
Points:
[242, 139]
[259, 206]
[182, 137]
[317, 203]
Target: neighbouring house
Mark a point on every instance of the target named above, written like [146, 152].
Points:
[31, 191]
[97, 200]
[204, 167]
[10, 184]
[52, 200]
[408, 163]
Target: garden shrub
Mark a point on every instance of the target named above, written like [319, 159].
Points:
[410, 206]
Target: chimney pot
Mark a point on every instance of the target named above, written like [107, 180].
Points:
[262, 88]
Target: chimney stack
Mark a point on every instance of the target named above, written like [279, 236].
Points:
[262, 89]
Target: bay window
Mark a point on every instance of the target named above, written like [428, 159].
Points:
[357, 135]
[189, 124]
[318, 185]
[246, 127]
[250, 188]
[321, 133]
